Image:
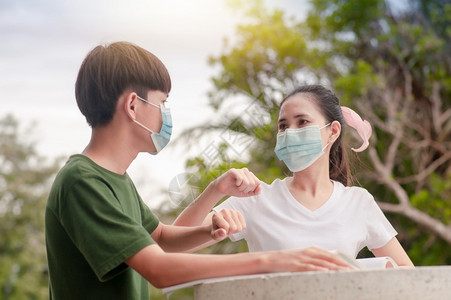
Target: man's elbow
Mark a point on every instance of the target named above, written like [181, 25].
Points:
[155, 266]
[159, 280]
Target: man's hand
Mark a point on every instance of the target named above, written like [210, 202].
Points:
[225, 223]
[238, 182]
[307, 259]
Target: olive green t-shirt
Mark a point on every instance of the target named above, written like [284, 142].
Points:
[94, 221]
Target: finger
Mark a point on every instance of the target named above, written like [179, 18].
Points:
[219, 234]
[237, 221]
[328, 259]
[254, 184]
[242, 221]
[237, 175]
[218, 221]
[258, 189]
[326, 265]
[244, 182]
[250, 182]
[253, 181]
[310, 267]
[231, 219]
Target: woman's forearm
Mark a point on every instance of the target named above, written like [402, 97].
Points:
[394, 250]
[195, 213]
[235, 182]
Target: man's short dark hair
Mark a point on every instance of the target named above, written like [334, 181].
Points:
[107, 71]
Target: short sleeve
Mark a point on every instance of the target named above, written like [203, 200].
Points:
[379, 229]
[149, 220]
[102, 228]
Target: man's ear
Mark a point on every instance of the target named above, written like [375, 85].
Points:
[335, 127]
[130, 104]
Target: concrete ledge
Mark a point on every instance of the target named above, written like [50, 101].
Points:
[419, 283]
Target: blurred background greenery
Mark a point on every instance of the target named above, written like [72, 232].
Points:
[391, 65]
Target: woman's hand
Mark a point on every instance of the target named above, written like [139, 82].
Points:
[238, 183]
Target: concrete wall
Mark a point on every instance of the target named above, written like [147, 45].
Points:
[420, 283]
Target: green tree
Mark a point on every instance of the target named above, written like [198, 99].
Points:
[391, 66]
[398, 75]
[24, 185]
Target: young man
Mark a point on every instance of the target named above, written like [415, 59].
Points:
[102, 241]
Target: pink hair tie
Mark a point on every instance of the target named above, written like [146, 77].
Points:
[363, 127]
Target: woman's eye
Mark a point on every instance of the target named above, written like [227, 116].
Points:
[282, 127]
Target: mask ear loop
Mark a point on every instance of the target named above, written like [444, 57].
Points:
[363, 127]
[328, 142]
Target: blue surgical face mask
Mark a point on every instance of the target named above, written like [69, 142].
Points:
[300, 148]
[161, 139]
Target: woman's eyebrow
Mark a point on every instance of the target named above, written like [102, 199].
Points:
[295, 117]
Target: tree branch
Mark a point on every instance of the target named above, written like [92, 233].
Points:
[427, 171]
[421, 218]
[436, 107]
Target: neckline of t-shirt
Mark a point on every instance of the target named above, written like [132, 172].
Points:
[314, 213]
[100, 168]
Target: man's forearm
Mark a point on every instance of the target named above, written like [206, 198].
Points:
[185, 239]
[165, 269]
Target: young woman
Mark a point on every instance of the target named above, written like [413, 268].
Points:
[316, 206]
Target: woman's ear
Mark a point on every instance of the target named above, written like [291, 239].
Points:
[335, 127]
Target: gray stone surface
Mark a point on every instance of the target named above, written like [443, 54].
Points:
[419, 283]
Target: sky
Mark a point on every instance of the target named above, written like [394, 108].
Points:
[43, 43]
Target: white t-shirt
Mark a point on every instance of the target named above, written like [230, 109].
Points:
[275, 220]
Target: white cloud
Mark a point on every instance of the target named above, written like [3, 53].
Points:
[45, 41]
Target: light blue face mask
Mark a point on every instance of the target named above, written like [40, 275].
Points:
[299, 148]
[161, 139]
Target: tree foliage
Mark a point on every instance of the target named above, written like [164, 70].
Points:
[391, 65]
[24, 182]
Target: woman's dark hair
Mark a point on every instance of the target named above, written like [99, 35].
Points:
[107, 71]
[330, 108]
